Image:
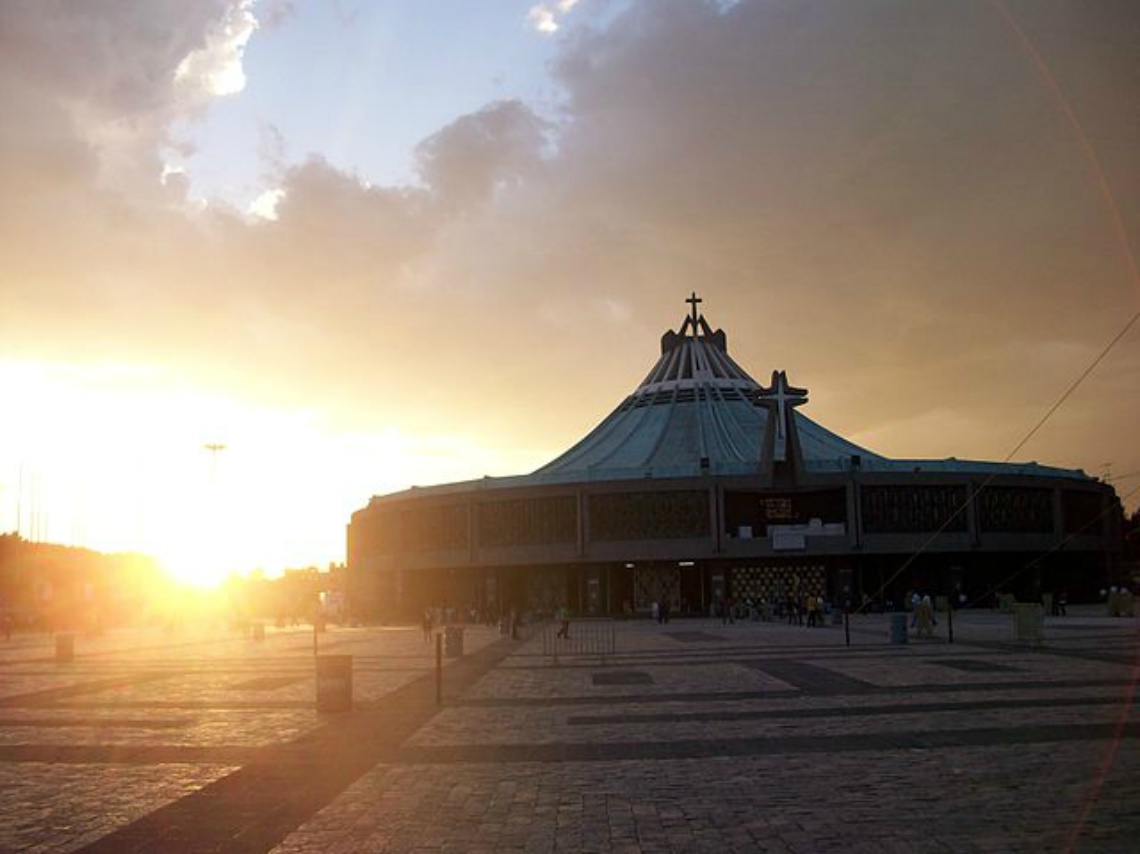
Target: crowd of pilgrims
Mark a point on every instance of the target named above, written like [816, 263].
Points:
[809, 610]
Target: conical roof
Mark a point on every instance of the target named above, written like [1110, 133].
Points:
[696, 411]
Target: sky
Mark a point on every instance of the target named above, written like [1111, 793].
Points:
[370, 245]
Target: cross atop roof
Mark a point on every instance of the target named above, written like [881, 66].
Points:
[694, 300]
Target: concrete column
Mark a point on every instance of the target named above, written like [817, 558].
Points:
[583, 525]
[716, 507]
[973, 523]
[1058, 515]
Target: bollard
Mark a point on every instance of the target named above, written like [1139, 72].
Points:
[453, 641]
[898, 628]
[439, 669]
[1029, 622]
[64, 647]
[334, 683]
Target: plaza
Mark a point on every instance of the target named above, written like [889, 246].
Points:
[690, 736]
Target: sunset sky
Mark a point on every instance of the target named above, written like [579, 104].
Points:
[366, 245]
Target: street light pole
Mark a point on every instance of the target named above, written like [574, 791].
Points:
[214, 448]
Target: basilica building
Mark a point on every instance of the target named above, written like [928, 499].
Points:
[704, 484]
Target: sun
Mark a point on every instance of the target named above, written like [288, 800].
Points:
[195, 567]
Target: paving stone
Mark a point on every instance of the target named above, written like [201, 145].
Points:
[743, 737]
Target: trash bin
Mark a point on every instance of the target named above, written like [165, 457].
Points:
[898, 628]
[334, 683]
[453, 641]
[64, 647]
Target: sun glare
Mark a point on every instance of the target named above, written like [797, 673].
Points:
[197, 567]
[135, 472]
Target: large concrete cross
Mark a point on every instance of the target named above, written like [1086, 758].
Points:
[785, 397]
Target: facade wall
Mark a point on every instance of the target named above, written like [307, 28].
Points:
[595, 535]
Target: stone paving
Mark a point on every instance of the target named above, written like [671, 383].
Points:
[695, 736]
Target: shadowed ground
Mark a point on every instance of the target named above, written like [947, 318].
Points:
[692, 737]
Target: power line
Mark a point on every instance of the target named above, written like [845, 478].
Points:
[1125, 476]
[989, 478]
[1084, 375]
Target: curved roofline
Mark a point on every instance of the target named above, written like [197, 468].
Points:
[698, 413]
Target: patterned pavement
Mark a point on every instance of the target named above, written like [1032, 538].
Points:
[695, 736]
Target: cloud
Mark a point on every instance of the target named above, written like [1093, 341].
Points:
[265, 205]
[545, 17]
[216, 67]
[466, 161]
[95, 88]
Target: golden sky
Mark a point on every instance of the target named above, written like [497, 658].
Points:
[368, 250]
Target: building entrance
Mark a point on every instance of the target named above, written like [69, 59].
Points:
[656, 584]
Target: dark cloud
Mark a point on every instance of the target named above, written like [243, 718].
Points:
[465, 162]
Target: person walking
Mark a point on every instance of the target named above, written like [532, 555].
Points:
[564, 617]
[925, 618]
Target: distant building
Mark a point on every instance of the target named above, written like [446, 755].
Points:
[704, 484]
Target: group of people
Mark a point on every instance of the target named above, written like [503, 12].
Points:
[809, 609]
[922, 614]
[812, 606]
[660, 612]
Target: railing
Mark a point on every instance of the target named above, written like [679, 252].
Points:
[582, 639]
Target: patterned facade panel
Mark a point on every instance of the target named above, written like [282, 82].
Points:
[529, 521]
[1083, 511]
[1017, 510]
[434, 527]
[656, 584]
[913, 509]
[546, 590]
[768, 583]
[649, 515]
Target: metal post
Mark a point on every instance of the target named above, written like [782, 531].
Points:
[847, 627]
[439, 669]
[950, 622]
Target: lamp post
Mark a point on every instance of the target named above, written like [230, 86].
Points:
[214, 448]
